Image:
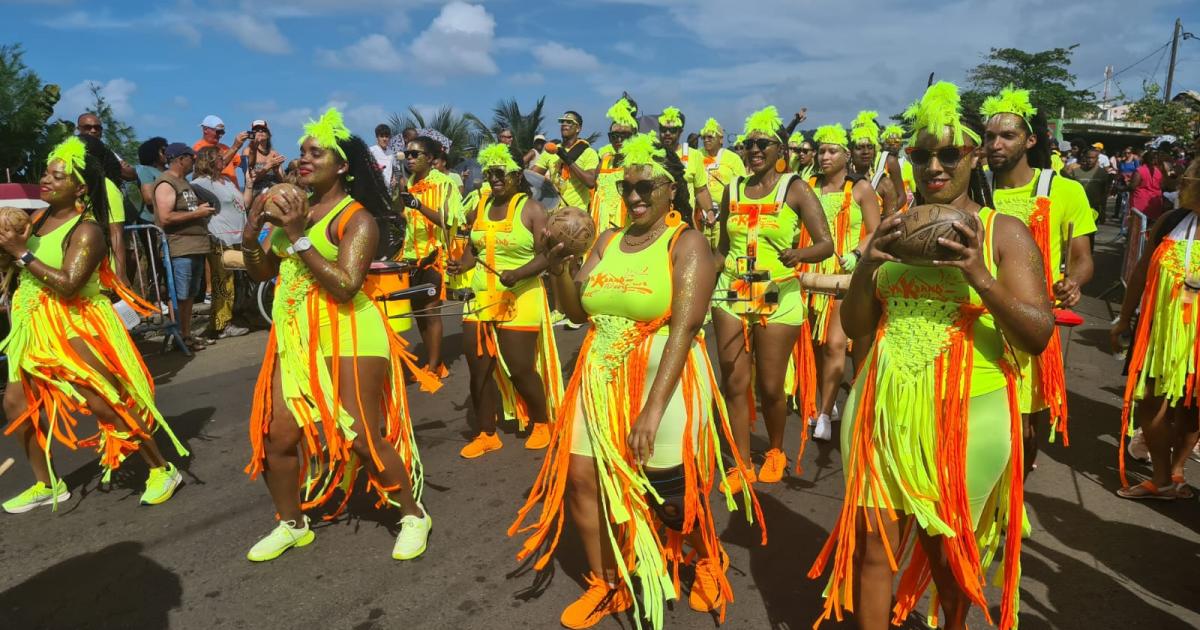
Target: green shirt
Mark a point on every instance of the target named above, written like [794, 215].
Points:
[573, 191]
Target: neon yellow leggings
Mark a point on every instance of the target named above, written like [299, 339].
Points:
[989, 446]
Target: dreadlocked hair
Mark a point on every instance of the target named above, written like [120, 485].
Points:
[110, 164]
[681, 203]
[95, 201]
[363, 180]
[1039, 155]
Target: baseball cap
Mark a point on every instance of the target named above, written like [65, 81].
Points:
[541, 137]
[176, 149]
[212, 122]
[260, 123]
[1098, 145]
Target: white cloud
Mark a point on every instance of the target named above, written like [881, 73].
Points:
[373, 52]
[78, 98]
[555, 56]
[527, 78]
[458, 41]
[626, 48]
[253, 33]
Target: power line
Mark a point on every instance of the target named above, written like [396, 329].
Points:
[1155, 52]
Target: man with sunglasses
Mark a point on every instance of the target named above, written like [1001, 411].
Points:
[721, 165]
[88, 124]
[1057, 212]
[670, 129]
[212, 129]
[571, 168]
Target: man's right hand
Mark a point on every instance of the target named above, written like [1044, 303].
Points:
[205, 210]
[240, 139]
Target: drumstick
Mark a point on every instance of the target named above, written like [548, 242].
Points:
[1065, 265]
[6, 465]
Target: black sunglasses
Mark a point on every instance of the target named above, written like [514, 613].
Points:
[760, 143]
[674, 130]
[948, 157]
[413, 154]
[644, 188]
[619, 136]
[90, 127]
[496, 173]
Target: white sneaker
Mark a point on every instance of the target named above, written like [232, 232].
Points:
[836, 416]
[285, 536]
[824, 429]
[232, 331]
[414, 535]
[1137, 447]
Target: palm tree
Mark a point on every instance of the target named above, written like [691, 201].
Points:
[507, 115]
[461, 129]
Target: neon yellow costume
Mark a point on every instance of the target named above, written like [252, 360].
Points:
[936, 381]
[309, 333]
[48, 369]
[607, 207]
[628, 298]
[573, 191]
[425, 243]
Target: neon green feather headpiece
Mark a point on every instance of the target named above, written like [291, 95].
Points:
[327, 130]
[832, 134]
[711, 128]
[740, 139]
[643, 150]
[864, 127]
[765, 121]
[938, 109]
[892, 131]
[796, 138]
[622, 113]
[1009, 101]
[671, 117]
[497, 155]
[73, 154]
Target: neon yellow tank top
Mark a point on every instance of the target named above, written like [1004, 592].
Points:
[920, 306]
[844, 225]
[49, 250]
[631, 285]
[503, 245]
[295, 278]
[768, 221]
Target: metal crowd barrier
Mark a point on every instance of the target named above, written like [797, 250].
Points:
[152, 265]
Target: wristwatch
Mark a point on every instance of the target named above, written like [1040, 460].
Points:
[25, 259]
[414, 202]
[301, 245]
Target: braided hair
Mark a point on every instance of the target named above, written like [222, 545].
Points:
[363, 179]
[680, 203]
[97, 164]
[1039, 155]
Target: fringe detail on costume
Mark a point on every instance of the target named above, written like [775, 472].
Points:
[1051, 376]
[51, 373]
[548, 367]
[927, 458]
[610, 389]
[313, 399]
[804, 383]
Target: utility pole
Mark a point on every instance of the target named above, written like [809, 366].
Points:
[1174, 52]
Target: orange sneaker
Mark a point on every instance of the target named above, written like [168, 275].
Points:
[442, 371]
[482, 444]
[737, 478]
[706, 589]
[539, 437]
[596, 603]
[773, 466]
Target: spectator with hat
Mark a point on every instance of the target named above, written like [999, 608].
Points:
[212, 129]
[532, 155]
[180, 214]
[262, 165]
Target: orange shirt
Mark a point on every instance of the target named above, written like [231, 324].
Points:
[230, 171]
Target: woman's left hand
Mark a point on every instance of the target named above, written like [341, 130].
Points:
[509, 278]
[16, 243]
[970, 261]
[641, 435]
[293, 214]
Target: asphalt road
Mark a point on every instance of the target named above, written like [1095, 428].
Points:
[102, 561]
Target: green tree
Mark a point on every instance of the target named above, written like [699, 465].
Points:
[1174, 118]
[1046, 74]
[507, 114]
[461, 129]
[118, 136]
[26, 104]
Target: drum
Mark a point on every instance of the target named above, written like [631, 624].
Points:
[494, 306]
[384, 278]
[753, 294]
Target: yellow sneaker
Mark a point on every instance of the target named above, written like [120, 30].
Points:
[596, 603]
[773, 466]
[539, 437]
[482, 444]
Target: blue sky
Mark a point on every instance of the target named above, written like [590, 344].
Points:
[165, 65]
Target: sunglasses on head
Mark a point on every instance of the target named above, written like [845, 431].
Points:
[644, 188]
[413, 154]
[758, 143]
[567, 121]
[619, 136]
[948, 157]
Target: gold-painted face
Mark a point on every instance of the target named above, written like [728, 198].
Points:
[58, 188]
[762, 151]
[319, 167]
[647, 197]
[944, 182]
[1005, 141]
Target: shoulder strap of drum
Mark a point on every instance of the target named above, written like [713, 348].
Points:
[732, 193]
[991, 179]
[785, 182]
[577, 149]
[880, 169]
[1045, 178]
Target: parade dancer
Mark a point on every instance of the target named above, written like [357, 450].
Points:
[607, 207]
[68, 352]
[330, 398]
[722, 165]
[931, 435]
[637, 447]
[867, 160]
[506, 323]
[760, 219]
[1055, 209]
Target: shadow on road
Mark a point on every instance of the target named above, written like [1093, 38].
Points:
[116, 587]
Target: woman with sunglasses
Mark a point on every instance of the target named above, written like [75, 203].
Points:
[333, 368]
[68, 353]
[760, 218]
[432, 213]
[636, 448]
[607, 207]
[507, 321]
[1160, 393]
[931, 445]
[670, 130]
[852, 211]
[867, 161]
